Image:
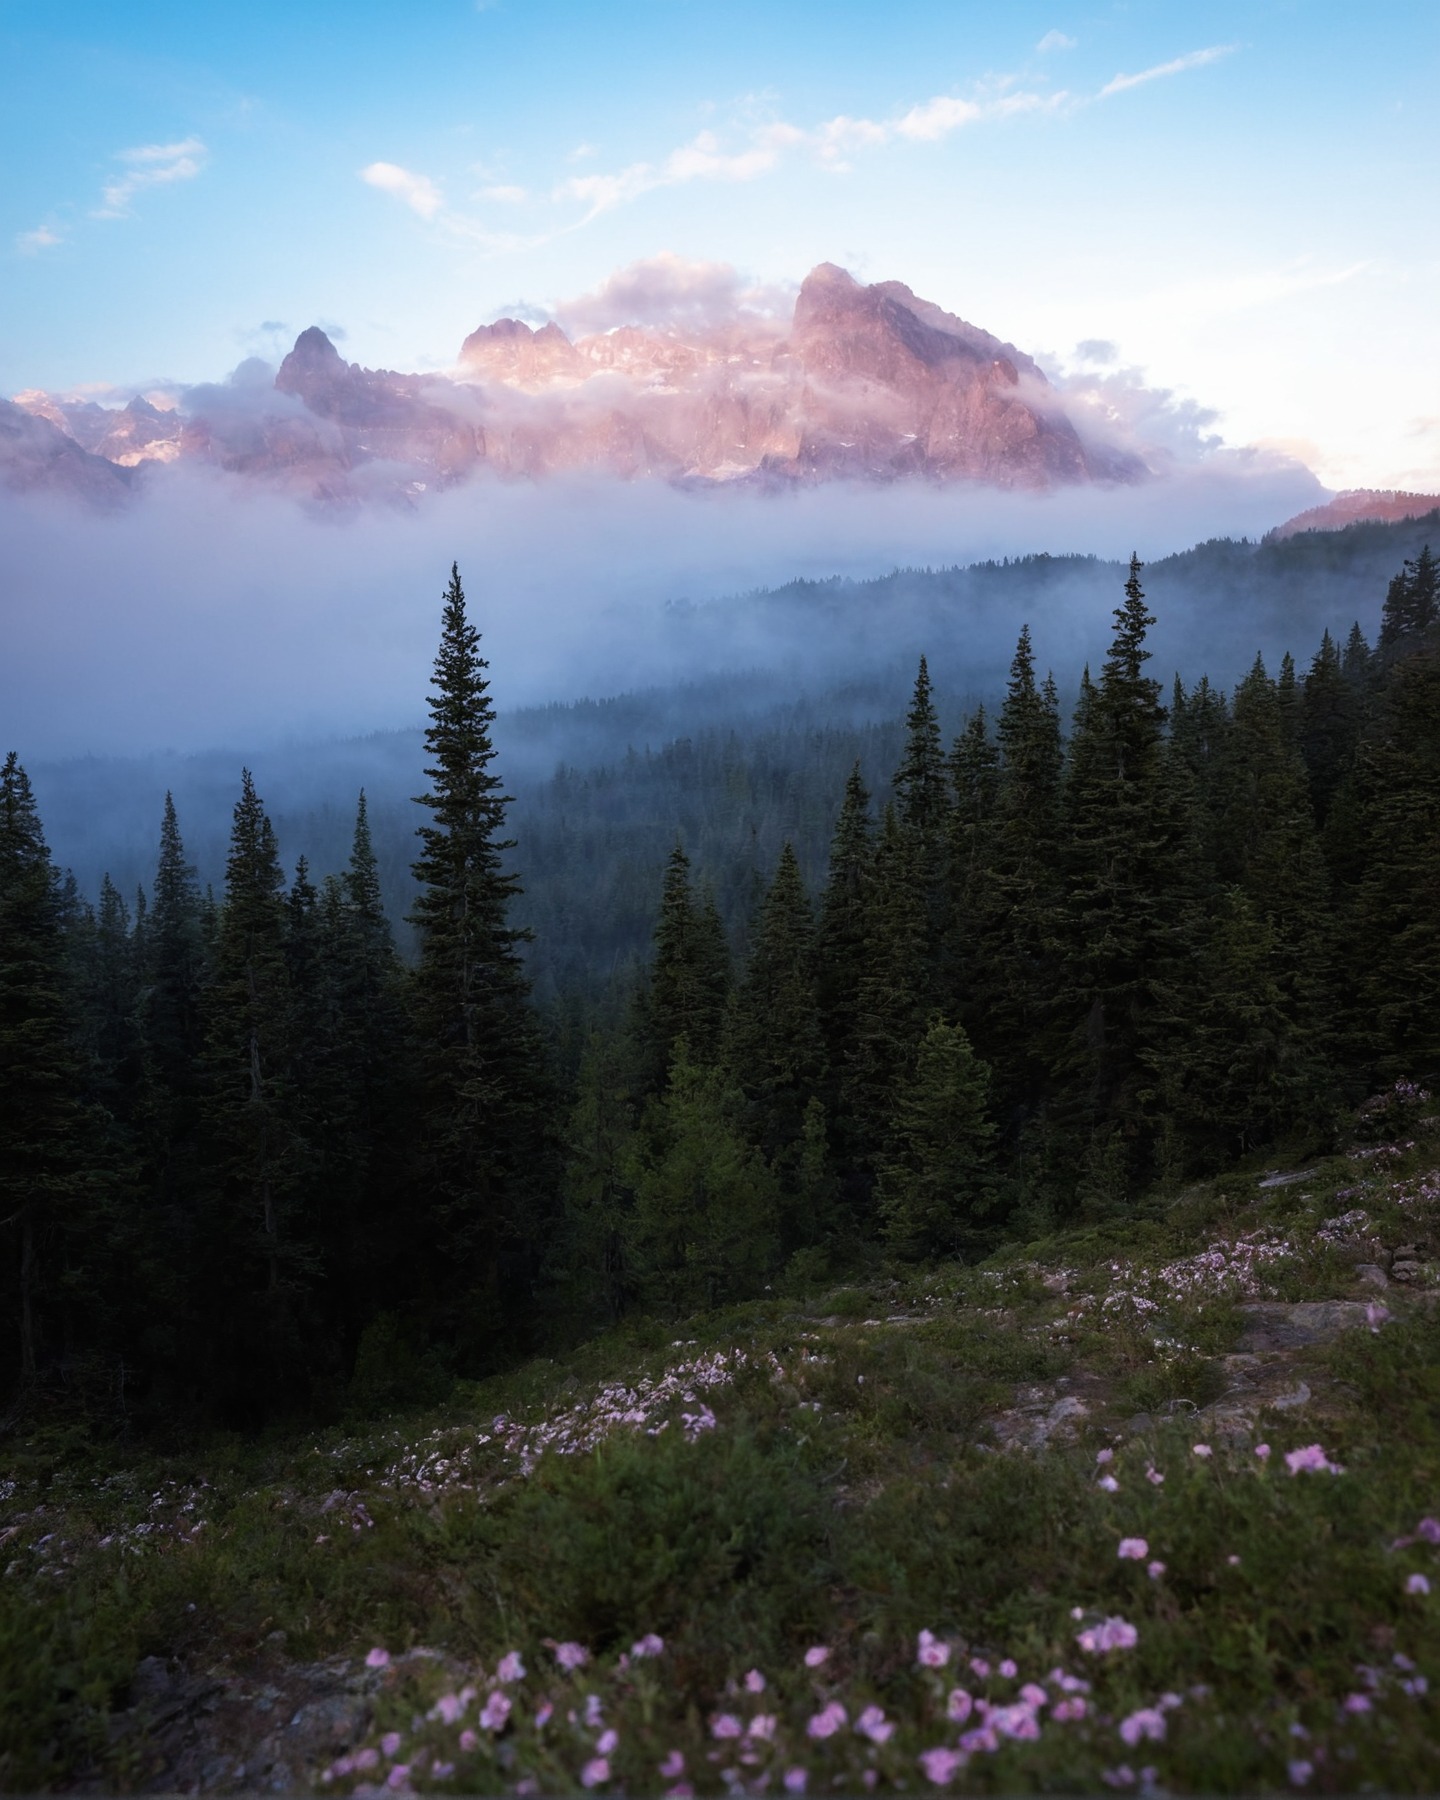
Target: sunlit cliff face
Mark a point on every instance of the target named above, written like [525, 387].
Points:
[866, 383]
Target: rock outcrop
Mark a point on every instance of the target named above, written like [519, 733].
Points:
[866, 383]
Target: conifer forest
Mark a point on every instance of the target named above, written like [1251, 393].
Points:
[289, 1173]
[253, 1156]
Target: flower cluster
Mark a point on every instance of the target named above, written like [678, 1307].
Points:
[1228, 1269]
[652, 1405]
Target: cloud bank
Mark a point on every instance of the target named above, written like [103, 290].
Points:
[670, 291]
[206, 615]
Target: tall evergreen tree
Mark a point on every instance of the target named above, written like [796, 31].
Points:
[174, 962]
[937, 1184]
[893, 997]
[844, 906]
[258, 1257]
[51, 1175]
[1329, 726]
[1130, 922]
[774, 1047]
[920, 795]
[1412, 604]
[1394, 922]
[703, 1228]
[689, 980]
[484, 1146]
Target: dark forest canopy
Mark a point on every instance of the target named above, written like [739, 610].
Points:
[855, 989]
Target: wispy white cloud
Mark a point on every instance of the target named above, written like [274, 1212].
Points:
[424, 197]
[149, 165]
[418, 192]
[31, 243]
[937, 118]
[1193, 59]
[1055, 40]
[762, 148]
[748, 151]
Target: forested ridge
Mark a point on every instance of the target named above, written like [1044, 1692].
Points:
[254, 1161]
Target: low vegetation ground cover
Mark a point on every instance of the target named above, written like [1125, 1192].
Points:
[1152, 1505]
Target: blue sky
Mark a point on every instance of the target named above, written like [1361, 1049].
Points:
[1239, 199]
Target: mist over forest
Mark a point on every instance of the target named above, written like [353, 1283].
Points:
[202, 617]
[777, 691]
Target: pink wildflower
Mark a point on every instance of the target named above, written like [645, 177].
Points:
[511, 1668]
[1233, 1561]
[795, 1780]
[873, 1724]
[1008, 1669]
[447, 1708]
[607, 1742]
[377, 1659]
[1154, 1477]
[673, 1765]
[762, 1727]
[1312, 1460]
[649, 1645]
[1417, 1584]
[1018, 1722]
[495, 1712]
[754, 1682]
[1133, 1550]
[1429, 1529]
[1299, 1771]
[725, 1725]
[1072, 1707]
[979, 1737]
[367, 1758]
[959, 1706]
[932, 1653]
[1377, 1313]
[1034, 1695]
[594, 1772]
[1111, 1634]
[1104, 1456]
[442, 1771]
[1155, 1569]
[543, 1713]
[573, 1656]
[827, 1721]
[390, 1745]
[1263, 1452]
[1201, 1450]
[1123, 1777]
[1358, 1703]
[940, 1765]
[468, 1740]
[1109, 1484]
[980, 1667]
[1148, 1722]
[399, 1776]
[816, 1654]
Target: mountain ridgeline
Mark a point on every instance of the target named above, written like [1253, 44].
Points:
[1073, 952]
[862, 382]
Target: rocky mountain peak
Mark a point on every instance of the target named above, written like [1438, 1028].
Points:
[313, 362]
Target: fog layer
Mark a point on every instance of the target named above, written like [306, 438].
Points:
[203, 617]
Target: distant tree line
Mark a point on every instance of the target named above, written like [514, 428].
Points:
[250, 1160]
